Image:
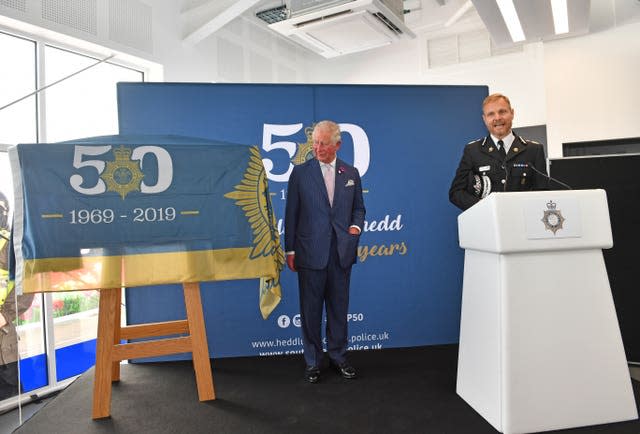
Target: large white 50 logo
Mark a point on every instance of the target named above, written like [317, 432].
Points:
[360, 147]
[163, 160]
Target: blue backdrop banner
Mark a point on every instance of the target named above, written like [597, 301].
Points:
[117, 211]
[406, 142]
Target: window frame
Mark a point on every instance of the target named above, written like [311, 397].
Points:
[44, 38]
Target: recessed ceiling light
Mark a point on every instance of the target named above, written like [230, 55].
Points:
[560, 16]
[510, 16]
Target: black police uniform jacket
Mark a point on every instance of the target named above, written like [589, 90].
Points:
[482, 170]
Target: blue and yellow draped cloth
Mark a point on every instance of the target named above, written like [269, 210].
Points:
[125, 211]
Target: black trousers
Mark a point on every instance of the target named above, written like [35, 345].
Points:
[8, 380]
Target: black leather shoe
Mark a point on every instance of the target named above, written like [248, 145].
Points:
[345, 370]
[312, 374]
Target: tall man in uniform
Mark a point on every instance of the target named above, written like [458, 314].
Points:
[323, 221]
[502, 161]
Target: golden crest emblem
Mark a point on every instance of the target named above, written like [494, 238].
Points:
[552, 218]
[252, 195]
[305, 150]
[122, 175]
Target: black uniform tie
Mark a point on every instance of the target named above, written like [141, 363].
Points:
[501, 150]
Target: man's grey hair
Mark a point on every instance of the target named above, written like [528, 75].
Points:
[332, 127]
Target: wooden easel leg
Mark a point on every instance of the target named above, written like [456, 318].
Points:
[104, 351]
[115, 367]
[200, 348]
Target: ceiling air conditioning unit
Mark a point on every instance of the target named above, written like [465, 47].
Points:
[333, 28]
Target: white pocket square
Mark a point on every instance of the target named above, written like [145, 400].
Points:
[350, 183]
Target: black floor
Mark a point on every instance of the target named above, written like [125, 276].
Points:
[410, 390]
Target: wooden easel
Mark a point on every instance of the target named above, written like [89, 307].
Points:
[110, 352]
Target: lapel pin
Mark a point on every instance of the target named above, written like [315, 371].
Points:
[490, 148]
[515, 149]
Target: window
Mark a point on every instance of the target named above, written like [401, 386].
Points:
[22, 315]
[17, 79]
[85, 105]
[82, 105]
[630, 145]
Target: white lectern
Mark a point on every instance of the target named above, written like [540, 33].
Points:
[540, 346]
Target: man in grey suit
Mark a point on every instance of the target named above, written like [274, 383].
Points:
[323, 221]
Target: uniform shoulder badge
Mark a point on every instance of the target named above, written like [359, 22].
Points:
[552, 218]
[530, 141]
[475, 140]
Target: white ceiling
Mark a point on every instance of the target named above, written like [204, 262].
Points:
[435, 18]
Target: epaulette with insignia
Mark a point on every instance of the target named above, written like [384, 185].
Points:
[474, 141]
[529, 141]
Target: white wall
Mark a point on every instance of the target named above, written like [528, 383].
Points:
[583, 88]
[518, 75]
[192, 63]
[592, 87]
[149, 34]
[241, 52]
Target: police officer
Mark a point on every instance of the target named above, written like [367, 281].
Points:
[502, 161]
